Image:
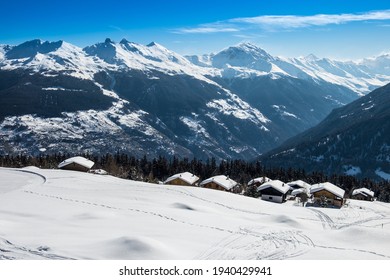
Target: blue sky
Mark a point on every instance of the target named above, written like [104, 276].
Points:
[336, 29]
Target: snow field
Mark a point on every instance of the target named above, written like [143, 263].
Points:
[56, 214]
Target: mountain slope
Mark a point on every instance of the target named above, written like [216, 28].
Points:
[121, 96]
[292, 99]
[248, 60]
[354, 139]
[103, 217]
[108, 97]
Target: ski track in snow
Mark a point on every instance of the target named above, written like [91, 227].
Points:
[353, 249]
[279, 245]
[274, 245]
[44, 179]
[188, 193]
[326, 221]
[128, 209]
[10, 251]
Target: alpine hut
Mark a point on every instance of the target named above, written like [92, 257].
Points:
[182, 179]
[298, 187]
[258, 181]
[299, 184]
[274, 190]
[327, 194]
[77, 164]
[363, 194]
[222, 183]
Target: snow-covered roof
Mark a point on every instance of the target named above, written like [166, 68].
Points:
[78, 160]
[185, 176]
[276, 184]
[363, 191]
[221, 180]
[299, 183]
[298, 191]
[260, 180]
[329, 187]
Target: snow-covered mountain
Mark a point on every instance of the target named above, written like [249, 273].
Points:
[353, 139]
[248, 60]
[121, 96]
[286, 91]
[128, 97]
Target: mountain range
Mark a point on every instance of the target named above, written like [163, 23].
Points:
[148, 100]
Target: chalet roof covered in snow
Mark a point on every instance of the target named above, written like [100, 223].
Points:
[221, 180]
[299, 191]
[329, 187]
[185, 176]
[260, 180]
[276, 184]
[77, 160]
[299, 183]
[363, 191]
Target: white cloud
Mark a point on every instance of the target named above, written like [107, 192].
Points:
[205, 29]
[293, 21]
[116, 27]
[284, 22]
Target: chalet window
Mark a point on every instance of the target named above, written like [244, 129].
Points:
[270, 198]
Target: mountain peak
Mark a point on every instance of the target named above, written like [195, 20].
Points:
[244, 55]
[154, 44]
[106, 51]
[158, 47]
[123, 41]
[34, 42]
[311, 57]
[31, 48]
[248, 49]
[248, 45]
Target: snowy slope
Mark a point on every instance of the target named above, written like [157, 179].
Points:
[379, 64]
[353, 139]
[246, 56]
[243, 60]
[129, 55]
[53, 214]
[57, 57]
[246, 60]
[238, 103]
[157, 90]
[128, 130]
[60, 56]
[350, 74]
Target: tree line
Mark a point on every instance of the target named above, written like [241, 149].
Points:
[159, 169]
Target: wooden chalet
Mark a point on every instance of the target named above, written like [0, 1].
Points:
[299, 184]
[258, 181]
[363, 194]
[76, 164]
[298, 187]
[327, 194]
[221, 183]
[182, 179]
[275, 191]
